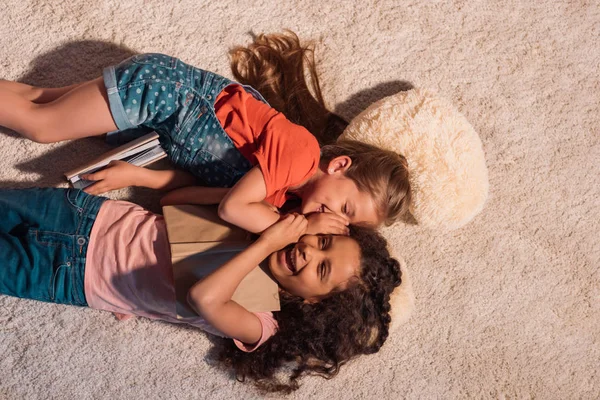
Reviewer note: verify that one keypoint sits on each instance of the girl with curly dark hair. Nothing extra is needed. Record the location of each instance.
(319, 337)
(68, 247)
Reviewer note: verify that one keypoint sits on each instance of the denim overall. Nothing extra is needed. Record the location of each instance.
(44, 236)
(157, 92)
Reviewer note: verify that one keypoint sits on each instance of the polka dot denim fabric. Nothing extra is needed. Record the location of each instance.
(161, 93)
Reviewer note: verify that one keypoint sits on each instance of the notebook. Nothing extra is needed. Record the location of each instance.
(200, 243)
(141, 152)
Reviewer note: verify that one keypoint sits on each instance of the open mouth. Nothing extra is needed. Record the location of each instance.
(290, 262)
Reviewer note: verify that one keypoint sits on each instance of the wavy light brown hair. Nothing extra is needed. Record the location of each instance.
(319, 338)
(284, 72)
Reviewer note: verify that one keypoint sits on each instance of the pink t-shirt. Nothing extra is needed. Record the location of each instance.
(128, 269)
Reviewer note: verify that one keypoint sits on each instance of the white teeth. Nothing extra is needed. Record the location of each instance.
(290, 260)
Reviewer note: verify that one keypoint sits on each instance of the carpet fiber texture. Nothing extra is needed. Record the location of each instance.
(506, 307)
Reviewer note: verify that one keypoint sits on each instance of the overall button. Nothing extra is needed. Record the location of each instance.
(209, 97)
(80, 242)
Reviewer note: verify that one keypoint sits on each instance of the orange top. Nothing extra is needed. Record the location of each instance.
(287, 153)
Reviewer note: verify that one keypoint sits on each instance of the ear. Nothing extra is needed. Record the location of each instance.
(339, 164)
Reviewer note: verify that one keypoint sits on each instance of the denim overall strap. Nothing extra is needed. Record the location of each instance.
(254, 93)
(44, 236)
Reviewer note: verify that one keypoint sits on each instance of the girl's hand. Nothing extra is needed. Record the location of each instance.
(327, 223)
(116, 175)
(287, 230)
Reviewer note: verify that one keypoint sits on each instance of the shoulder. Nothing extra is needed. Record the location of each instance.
(289, 137)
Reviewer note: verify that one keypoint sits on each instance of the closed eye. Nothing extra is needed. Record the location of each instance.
(348, 211)
(324, 241)
(321, 270)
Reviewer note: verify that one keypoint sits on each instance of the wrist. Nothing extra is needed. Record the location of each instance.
(146, 178)
(266, 246)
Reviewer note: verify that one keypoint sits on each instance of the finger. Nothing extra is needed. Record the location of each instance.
(290, 217)
(304, 225)
(102, 189)
(93, 189)
(301, 230)
(339, 218)
(287, 219)
(299, 219)
(338, 229)
(295, 223)
(345, 220)
(96, 176)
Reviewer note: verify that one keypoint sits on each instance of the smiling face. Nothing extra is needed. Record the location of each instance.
(316, 265)
(331, 191)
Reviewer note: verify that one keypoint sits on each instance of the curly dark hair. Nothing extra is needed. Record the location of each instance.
(319, 338)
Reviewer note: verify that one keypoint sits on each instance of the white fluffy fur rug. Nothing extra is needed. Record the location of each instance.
(506, 307)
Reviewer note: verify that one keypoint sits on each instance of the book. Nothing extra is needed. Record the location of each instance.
(141, 152)
(200, 243)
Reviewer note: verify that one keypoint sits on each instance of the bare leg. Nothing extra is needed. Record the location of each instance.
(81, 112)
(36, 94)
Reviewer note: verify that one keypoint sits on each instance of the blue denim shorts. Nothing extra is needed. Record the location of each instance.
(44, 236)
(161, 93)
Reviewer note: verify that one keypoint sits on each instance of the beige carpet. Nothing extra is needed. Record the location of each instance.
(507, 307)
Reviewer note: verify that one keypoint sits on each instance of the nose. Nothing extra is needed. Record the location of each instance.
(304, 255)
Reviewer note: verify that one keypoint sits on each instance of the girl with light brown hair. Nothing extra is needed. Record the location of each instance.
(226, 135)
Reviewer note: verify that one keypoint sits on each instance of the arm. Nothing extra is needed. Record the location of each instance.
(211, 297)
(194, 195)
(120, 174)
(167, 179)
(243, 205)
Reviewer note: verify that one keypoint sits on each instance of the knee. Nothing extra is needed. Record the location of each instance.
(41, 129)
(32, 93)
(40, 134)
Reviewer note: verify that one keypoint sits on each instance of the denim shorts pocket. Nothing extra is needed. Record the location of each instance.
(214, 171)
(156, 59)
(76, 199)
(54, 254)
(189, 111)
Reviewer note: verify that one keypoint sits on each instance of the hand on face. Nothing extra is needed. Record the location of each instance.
(287, 230)
(331, 191)
(327, 223)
